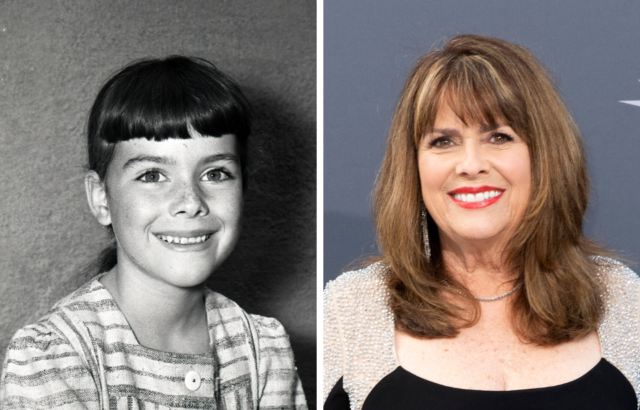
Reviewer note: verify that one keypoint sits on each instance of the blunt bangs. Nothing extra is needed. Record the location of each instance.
(160, 99)
(157, 100)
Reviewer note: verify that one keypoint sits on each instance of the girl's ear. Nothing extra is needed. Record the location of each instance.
(97, 198)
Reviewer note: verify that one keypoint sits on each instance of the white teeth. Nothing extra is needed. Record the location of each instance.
(183, 240)
(482, 196)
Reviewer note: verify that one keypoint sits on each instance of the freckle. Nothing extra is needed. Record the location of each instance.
(446, 350)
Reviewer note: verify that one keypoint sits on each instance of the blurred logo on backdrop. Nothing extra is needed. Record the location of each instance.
(636, 102)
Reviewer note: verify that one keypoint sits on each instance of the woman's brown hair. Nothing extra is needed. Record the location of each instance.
(490, 81)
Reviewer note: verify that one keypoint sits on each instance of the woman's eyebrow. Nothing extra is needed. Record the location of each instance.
(453, 131)
(148, 158)
(219, 157)
(446, 131)
(491, 127)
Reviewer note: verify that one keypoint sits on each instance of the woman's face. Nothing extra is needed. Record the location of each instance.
(475, 179)
(175, 206)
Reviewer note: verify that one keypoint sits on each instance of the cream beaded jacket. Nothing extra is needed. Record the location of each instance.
(359, 328)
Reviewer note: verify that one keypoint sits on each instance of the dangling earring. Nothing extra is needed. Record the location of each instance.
(425, 232)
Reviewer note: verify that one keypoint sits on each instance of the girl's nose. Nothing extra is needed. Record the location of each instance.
(473, 162)
(190, 201)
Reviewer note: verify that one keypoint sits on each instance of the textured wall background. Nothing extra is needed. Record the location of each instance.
(590, 47)
(54, 56)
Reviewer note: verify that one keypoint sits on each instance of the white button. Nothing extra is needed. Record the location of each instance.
(192, 380)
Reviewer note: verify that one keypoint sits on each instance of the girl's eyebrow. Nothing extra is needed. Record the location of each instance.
(170, 161)
(148, 158)
(219, 157)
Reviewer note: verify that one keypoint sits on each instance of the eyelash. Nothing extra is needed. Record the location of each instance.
(506, 137)
(150, 172)
(224, 174)
(436, 142)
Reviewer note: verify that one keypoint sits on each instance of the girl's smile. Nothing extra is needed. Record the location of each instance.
(175, 206)
(184, 238)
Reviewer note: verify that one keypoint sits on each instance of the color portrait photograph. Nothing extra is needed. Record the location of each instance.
(480, 205)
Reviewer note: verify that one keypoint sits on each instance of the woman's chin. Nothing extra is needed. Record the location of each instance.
(479, 237)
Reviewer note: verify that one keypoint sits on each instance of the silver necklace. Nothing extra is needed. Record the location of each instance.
(504, 295)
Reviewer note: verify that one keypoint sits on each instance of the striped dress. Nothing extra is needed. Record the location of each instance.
(84, 355)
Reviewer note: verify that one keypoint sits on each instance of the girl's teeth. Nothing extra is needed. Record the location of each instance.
(183, 240)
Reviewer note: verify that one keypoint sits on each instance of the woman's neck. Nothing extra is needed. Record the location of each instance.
(162, 316)
(480, 267)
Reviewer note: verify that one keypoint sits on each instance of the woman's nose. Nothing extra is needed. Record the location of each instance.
(473, 161)
(190, 201)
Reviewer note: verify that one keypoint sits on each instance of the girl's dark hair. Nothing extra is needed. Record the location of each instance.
(159, 99)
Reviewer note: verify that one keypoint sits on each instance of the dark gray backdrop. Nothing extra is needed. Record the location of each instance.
(592, 49)
(54, 55)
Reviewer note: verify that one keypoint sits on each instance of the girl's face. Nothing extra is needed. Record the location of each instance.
(175, 206)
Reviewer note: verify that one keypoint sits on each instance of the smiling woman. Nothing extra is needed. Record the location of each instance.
(167, 141)
(453, 159)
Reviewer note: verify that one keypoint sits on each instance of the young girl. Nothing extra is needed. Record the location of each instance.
(167, 142)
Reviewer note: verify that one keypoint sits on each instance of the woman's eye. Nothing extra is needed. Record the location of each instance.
(500, 138)
(442, 142)
(216, 175)
(152, 176)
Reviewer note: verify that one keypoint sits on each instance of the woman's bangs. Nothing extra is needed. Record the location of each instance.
(478, 99)
(479, 95)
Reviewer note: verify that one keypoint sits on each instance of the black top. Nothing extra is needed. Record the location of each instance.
(603, 387)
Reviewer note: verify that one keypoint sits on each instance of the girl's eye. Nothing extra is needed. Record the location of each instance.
(500, 138)
(441, 142)
(152, 176)
(216, 175)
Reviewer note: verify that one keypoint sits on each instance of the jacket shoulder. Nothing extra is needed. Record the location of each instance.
(358, 283)
(614, 273)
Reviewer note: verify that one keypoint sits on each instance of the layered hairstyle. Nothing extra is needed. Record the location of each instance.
(159, 99)
(488, 81)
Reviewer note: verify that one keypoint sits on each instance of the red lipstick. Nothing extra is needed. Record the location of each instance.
(475, 190)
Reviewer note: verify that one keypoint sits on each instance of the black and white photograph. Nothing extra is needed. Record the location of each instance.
(158, 204)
